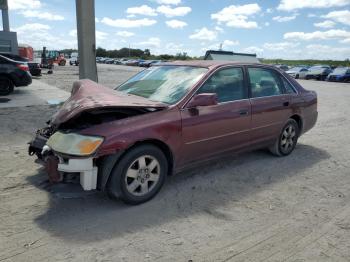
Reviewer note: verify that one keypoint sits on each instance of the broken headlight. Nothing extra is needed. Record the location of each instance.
(74, 144)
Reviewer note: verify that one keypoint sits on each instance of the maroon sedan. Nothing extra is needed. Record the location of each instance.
(167, 118)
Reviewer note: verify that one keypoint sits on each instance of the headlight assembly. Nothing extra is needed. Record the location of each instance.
(74, 144)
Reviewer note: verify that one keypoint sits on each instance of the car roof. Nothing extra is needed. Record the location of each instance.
(210, 63)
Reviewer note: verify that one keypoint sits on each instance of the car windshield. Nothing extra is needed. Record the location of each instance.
(340, 70)
(166, 84)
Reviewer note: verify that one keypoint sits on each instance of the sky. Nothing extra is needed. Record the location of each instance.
(288, 29)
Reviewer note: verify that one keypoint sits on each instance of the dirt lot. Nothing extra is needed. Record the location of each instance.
(252, 207)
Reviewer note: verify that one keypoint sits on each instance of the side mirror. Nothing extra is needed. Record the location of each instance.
(205, 99)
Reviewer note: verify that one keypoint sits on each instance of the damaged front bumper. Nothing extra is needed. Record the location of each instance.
(60, 166)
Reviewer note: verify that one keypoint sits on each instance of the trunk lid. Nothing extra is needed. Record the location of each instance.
(88, 95)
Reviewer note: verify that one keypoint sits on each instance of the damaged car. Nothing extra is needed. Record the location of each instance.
(126, 141)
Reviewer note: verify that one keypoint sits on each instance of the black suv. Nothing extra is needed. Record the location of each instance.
(13, 73)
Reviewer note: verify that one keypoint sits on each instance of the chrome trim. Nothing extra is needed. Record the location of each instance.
(216, 137)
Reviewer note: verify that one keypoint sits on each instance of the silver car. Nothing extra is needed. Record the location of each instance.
(297, 72)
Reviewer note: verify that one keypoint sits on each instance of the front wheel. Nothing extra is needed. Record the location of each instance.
(287, 139)
(139, 175)
(297, 76)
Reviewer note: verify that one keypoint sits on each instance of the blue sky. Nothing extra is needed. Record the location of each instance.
(290, 29)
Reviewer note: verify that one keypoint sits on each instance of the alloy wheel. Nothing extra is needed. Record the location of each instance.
(288, 139)
(142, 175)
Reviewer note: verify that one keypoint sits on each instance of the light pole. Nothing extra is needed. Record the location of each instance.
(85, 10)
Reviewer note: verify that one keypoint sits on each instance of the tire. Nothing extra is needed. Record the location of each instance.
(70, 63)
(296, 76)
(6, 86)
(62, 63)
(287, 140)
(128, 180)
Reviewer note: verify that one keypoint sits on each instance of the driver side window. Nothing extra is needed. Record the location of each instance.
(228, 84)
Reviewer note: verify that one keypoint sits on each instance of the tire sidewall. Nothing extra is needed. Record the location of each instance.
(8, 89)
(116, 184)
(296, 127)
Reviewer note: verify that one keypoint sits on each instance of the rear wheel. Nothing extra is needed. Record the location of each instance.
(297, 76)
(287, 139)
(62, 63)
(139, 175)
(6, 86)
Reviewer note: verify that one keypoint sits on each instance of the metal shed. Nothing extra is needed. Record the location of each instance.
(230, 56)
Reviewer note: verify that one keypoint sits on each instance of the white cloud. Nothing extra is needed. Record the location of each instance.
(39, 35)
(284, 18)
(125, 33)
(73, 33)
(228, 43)
(317, 51)
(269, 10)
(42, 15)
(252, 50)
(318, 35)
(176, 23)
(237, 16)
(204, 34)
(101, 35)
(24, 4)
(267, 23)
(97, 20)
(168, 2)
(219, 29)
(151, 42)
(339, 16)
(280, 46)
(311, 15)
(345, 41)
(141, 10)
(32, 27)
(171, 12)
(128, 23)
(289, 5)
(325, 24)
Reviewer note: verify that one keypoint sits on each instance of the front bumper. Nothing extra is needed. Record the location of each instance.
(57, 166)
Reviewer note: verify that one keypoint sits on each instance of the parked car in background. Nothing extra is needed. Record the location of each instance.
(134, 62)
(13, 74)
(168, 118)
(148, 63)
(340, 74)
(318, 72)
(283, 67)
(34, 67)
(74, 59)
(109, 61)
(297, 72)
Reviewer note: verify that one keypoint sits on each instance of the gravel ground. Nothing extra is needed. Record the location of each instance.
(251, 207)
(109, 75)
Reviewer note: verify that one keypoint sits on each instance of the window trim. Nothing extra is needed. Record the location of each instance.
(211, 74)
(284, 92)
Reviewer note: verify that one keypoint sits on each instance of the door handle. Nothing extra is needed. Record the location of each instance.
(243, 112)
(285, 103)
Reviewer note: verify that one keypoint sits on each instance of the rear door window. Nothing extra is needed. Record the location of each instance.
(264, 82)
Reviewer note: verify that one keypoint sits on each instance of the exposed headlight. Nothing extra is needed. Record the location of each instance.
(74, 144)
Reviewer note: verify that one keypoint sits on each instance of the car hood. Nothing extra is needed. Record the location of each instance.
(88, 95)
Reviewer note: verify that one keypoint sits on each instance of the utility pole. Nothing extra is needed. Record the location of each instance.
(85, 10)
(5, 16)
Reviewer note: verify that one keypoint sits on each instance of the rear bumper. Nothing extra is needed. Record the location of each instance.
(25, 79)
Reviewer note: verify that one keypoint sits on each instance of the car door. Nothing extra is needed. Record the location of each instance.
(303, 73)
(209, 130)
(271, 105)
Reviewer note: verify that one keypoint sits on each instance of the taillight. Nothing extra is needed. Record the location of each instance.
(23, 67)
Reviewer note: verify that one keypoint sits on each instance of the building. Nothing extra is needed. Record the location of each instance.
(8, 40)
(230, 56)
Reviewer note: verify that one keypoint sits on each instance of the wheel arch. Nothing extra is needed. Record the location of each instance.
(299, 120)
(107, 163)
